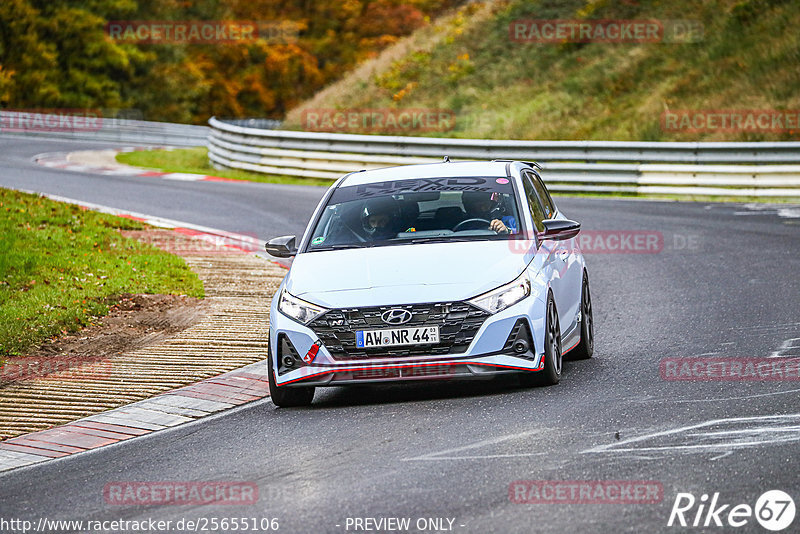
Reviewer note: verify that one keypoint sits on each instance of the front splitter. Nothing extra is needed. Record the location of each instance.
(366, 372)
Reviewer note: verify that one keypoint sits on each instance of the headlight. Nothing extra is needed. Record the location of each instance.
(298, 309)
(504, 296)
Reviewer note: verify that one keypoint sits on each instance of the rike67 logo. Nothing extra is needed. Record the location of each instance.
(774, 510)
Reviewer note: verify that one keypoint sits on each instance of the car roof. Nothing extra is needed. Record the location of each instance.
(427, 170)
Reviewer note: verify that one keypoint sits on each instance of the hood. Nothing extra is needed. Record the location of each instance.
(404, 274)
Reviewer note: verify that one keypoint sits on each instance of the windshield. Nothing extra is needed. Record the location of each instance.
(417, 210)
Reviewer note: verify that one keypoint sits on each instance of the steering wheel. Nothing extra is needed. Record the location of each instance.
(472, 222)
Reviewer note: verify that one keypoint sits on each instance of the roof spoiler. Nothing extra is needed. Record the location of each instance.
(528, 163)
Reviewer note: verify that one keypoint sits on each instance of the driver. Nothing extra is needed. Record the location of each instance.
(379, 217)
(488, 206)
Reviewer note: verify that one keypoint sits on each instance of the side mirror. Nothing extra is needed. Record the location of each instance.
(559, 229)
(281, 247)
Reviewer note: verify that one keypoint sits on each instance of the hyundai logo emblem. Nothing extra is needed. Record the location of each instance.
(396, 316)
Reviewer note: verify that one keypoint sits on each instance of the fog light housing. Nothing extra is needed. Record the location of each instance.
(520, 341)
(288, 357)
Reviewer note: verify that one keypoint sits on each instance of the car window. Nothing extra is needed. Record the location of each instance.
(537, 211)
(415, 210)
(544, 195)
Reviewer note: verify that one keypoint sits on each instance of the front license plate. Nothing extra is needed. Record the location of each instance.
(392, 337)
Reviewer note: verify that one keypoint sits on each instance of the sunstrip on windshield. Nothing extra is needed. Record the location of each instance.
(421, 185)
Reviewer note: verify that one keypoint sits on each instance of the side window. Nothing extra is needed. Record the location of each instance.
(537, 212)
(544, 196)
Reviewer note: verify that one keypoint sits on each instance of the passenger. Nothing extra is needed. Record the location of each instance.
(489, 207)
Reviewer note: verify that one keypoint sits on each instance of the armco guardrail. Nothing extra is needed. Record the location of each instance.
(98, 127)
(730, 169)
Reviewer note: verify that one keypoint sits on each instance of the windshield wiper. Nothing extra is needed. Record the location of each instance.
(315, 248)
(445, 239)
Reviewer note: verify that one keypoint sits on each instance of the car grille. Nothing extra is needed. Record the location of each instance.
(458, 323)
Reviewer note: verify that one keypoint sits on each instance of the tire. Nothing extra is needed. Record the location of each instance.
(551, 374)
(585, 348)
(283, 396)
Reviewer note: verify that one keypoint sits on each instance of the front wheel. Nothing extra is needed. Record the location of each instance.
(284, 396)
(585, 347)
(551, 374)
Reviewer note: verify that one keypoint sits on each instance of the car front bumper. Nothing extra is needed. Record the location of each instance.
(486, 355)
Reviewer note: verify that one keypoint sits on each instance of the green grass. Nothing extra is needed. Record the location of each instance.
(195, 161)
(60, 267)
(746, 60)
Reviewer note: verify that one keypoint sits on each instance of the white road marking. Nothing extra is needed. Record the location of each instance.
(183, 177)
(745, 431)
(778, 429)
(790, 346)
(440, 455)
(479, 457)
(769, 328)
(734, 398)
(783, 211)
(723, 455)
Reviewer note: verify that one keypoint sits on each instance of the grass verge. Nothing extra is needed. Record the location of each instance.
(60, 267)
(195, 161)
(744, 57)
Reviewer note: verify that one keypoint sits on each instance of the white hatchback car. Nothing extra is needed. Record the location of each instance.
(437, 271)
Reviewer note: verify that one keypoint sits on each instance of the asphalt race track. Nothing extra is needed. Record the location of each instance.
(724, 284)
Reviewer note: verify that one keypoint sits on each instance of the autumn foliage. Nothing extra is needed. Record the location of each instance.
(60, 55)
